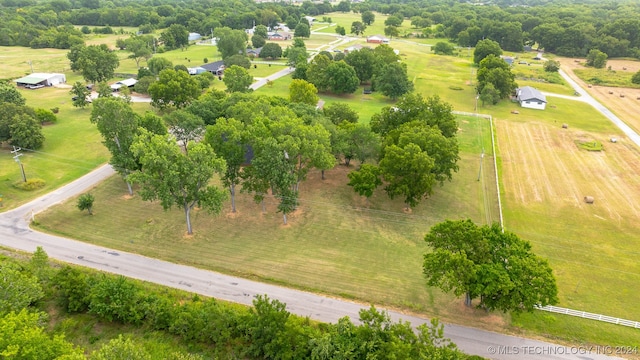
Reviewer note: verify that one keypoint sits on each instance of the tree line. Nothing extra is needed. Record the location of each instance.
(264, 331)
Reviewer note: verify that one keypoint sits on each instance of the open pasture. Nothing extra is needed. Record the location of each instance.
(545, 177)
(336, 243)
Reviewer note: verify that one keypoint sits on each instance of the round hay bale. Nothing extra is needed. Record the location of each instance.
(565, 126)
(589, 199)
(614, 140)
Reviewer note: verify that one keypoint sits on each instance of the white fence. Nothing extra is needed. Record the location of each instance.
(495, 161)
(587, 315)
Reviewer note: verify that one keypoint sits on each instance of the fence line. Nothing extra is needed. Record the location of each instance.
(549, 308)
(495, 161)
(588, 315)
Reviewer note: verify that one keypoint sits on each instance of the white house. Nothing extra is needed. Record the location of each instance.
(531, 98)
(41, 79)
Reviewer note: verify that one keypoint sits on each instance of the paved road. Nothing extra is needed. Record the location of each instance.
(585, 97)
(15, 233)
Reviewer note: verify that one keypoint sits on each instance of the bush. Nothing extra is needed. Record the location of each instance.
(116, 298)
(30, 185)
(73, 287)
(45, 116)
(55, 110)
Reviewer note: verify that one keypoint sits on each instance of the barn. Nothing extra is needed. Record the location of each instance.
(126, 82)
(531, 98)
(377, 39)
(36, 80)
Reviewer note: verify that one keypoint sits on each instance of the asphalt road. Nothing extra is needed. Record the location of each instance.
(15, 233)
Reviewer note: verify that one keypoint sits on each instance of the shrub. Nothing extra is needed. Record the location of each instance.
(55, 110)
(73, 286)
(116, 298)
(30, 185)
(45, 116)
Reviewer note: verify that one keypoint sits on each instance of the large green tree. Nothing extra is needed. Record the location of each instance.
(301, 91)
(228, 138)
(408, 172)
(485, 48)
(80, 94)
(488, 263)
(237, 79)
(365, 180)
(363, 62)
(118, 124)
(175, 178)
(342, 78)
(9, 94)
(97, 63)
(302, 30)
(140, 48)
(230, 42)
(393, 81)
(597, 59)
(174, 89)
(175, 36)
(26, 132)
(495, 71)
(271, 51)
(368, 17)
(318, 73)
(432, 111)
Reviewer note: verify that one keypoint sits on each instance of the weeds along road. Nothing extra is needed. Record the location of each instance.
(15, 233)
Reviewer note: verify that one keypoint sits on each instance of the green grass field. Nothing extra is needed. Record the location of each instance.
(606, 77)
(373, 253)
(334, 245)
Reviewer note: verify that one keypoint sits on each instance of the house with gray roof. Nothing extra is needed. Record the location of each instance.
(531, 98)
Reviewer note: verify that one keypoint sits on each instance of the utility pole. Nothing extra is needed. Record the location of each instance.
(16, 157)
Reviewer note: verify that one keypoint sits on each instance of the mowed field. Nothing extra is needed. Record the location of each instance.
(336, 242)
(628, 107)
(593, 248)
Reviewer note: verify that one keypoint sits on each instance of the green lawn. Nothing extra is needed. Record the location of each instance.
(72, 148)
(336, 244)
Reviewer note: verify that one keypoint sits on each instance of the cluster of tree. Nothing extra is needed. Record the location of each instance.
(264, 331)
(419, 150)
(21, 125)
(488, 263)
(495, 79)
(568, 28)
(342, 74)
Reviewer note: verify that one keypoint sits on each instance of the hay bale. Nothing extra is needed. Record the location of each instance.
(610, 92)
(614, 140)
(588, 199)
(589, 85)
(621, 95)
(515, 112)
(565, 126)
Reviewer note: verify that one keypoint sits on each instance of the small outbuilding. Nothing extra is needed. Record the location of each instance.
(131, 82)
(531, 98)
(36, 80)
(194, 36)
(377, 39)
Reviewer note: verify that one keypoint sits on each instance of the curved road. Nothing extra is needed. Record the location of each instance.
(15, 233)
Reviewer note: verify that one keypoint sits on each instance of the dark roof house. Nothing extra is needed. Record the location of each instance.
(216, 68)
